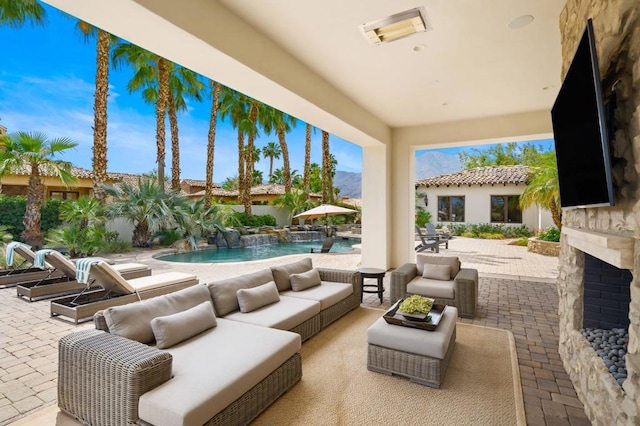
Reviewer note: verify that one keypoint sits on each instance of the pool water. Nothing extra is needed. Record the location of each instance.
(224, 255)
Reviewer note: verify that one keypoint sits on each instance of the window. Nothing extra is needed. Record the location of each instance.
(506, 209)
(64, 195)
(450, 209)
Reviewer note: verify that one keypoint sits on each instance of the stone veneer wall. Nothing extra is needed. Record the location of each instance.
(617, 31)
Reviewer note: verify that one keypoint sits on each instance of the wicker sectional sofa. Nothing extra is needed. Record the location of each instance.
(172, 360)
(439, 277)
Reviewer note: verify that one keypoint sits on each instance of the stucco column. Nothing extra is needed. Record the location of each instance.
(401, 247)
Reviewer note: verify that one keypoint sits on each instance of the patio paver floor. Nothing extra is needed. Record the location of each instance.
(517, 292)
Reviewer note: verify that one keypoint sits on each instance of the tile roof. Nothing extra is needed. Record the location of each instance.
(267, 189)
(491, 175)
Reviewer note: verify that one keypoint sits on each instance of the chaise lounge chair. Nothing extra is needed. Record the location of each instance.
(69, 284)
(10, 277)
(427, 241)
(117, 291)
(327, 243)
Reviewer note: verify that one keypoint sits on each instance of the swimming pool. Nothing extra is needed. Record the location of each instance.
(224, 255)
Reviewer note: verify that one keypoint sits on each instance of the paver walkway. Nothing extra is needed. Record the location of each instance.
(517, 292)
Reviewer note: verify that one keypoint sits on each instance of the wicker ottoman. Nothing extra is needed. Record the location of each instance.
(420, 355)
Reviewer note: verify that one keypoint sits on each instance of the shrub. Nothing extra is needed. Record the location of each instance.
(12, 212)
(117, 247)
(551, 234)
(522, 242)
(422, 218)
(491, 236)
(488, 231)
(255, 220)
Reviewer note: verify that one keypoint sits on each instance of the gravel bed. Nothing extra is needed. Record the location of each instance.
(611, 346)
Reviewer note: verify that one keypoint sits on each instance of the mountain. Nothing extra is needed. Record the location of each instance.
(436, 163)
(429, 164)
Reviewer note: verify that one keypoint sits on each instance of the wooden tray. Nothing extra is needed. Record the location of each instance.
(392, 317)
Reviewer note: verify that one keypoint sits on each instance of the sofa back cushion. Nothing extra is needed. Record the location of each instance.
(436, 272)
(424, 258)
(133, 320)
(282, 273)
(251, 299)
(172, 329)
(305, 280)
(224, 292)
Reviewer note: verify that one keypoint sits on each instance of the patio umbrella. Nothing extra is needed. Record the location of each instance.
(325, 210)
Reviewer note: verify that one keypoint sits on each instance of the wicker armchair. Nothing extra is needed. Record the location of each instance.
(465, 287)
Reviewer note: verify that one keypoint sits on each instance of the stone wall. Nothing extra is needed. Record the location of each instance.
(617, 31)
(546, 248)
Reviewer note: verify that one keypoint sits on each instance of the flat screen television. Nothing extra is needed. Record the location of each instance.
(580, 131)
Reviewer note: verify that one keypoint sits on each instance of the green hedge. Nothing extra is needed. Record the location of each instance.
(489, 231)
(12, 212)
(255, 220)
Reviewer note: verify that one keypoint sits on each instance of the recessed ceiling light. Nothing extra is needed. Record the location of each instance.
(419, 47)
(548, 87)
(396, 26)
(520, 22)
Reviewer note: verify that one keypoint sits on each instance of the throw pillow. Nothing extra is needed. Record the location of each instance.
(282, 273)
(305, 280)
(251, 299)
(437, 272)
(175, 328)
(224, 292)
(431, 259)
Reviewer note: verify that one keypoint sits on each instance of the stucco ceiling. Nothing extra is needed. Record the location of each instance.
(471, 65)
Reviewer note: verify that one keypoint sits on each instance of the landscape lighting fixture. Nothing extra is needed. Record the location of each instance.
(396, 26)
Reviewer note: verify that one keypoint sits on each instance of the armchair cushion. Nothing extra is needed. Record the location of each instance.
(436, 289)
(424, 258)
(305, 280)
(172, 329)
(251, 299)
(437, 272)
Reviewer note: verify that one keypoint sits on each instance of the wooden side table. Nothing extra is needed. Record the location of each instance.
(372, 273)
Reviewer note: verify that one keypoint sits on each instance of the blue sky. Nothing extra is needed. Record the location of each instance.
(47, 84)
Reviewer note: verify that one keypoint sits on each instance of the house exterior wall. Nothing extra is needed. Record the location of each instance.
(478, 204)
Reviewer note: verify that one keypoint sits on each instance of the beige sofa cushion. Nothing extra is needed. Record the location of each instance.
(430, 343)
(175, 328)
(328, 293)
(423, 258)
(437, 289)
(282, 273)
(214, 369)
(133, 320)
(288, 313)
(305, 280)
(437, 272)
(253, 298)
(224, 292)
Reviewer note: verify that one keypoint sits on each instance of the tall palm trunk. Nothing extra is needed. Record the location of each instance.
(307, 158)
(241, 170)
(326, 168)
(556, 213)
(161, 112)
(248, 171)
(211, 140)
(175, 143)
(100, 117)
(32, 234)
(285, 160)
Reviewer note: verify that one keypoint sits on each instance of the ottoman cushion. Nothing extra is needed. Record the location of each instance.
(428, 343)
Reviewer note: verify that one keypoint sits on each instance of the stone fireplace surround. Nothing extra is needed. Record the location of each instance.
(611, 234)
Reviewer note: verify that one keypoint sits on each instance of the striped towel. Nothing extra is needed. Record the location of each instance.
(39, 258)
(10, 247)
(83, 266)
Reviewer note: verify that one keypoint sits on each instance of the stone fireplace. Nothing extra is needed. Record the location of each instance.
(606, 238)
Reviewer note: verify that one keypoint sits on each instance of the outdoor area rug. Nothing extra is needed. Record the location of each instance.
(481, 385)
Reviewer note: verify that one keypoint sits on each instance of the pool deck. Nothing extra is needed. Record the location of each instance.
(517, 292)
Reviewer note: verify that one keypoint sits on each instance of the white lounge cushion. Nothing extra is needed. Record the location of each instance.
(328, 293)
(213, 369)
(253, 298)
(133, 320)
(430, 343)
(436, 259)
(282, 273)
(436, 272)
(172, 329)
(305, 280)
(288, 313)
(129, 267)
(432, 288)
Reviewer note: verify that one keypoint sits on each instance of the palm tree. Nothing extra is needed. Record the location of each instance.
(216, 89)
(15, 13)
(255, 108)
(543, 188)
(295, 201)
(152, 75)
(85, 232)
(307, 157)
(35, 152)
(99, 161)
(146, 205)
(234, 106)
(282, 123)
(182, 83)
(271, 151)
(327, 192)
